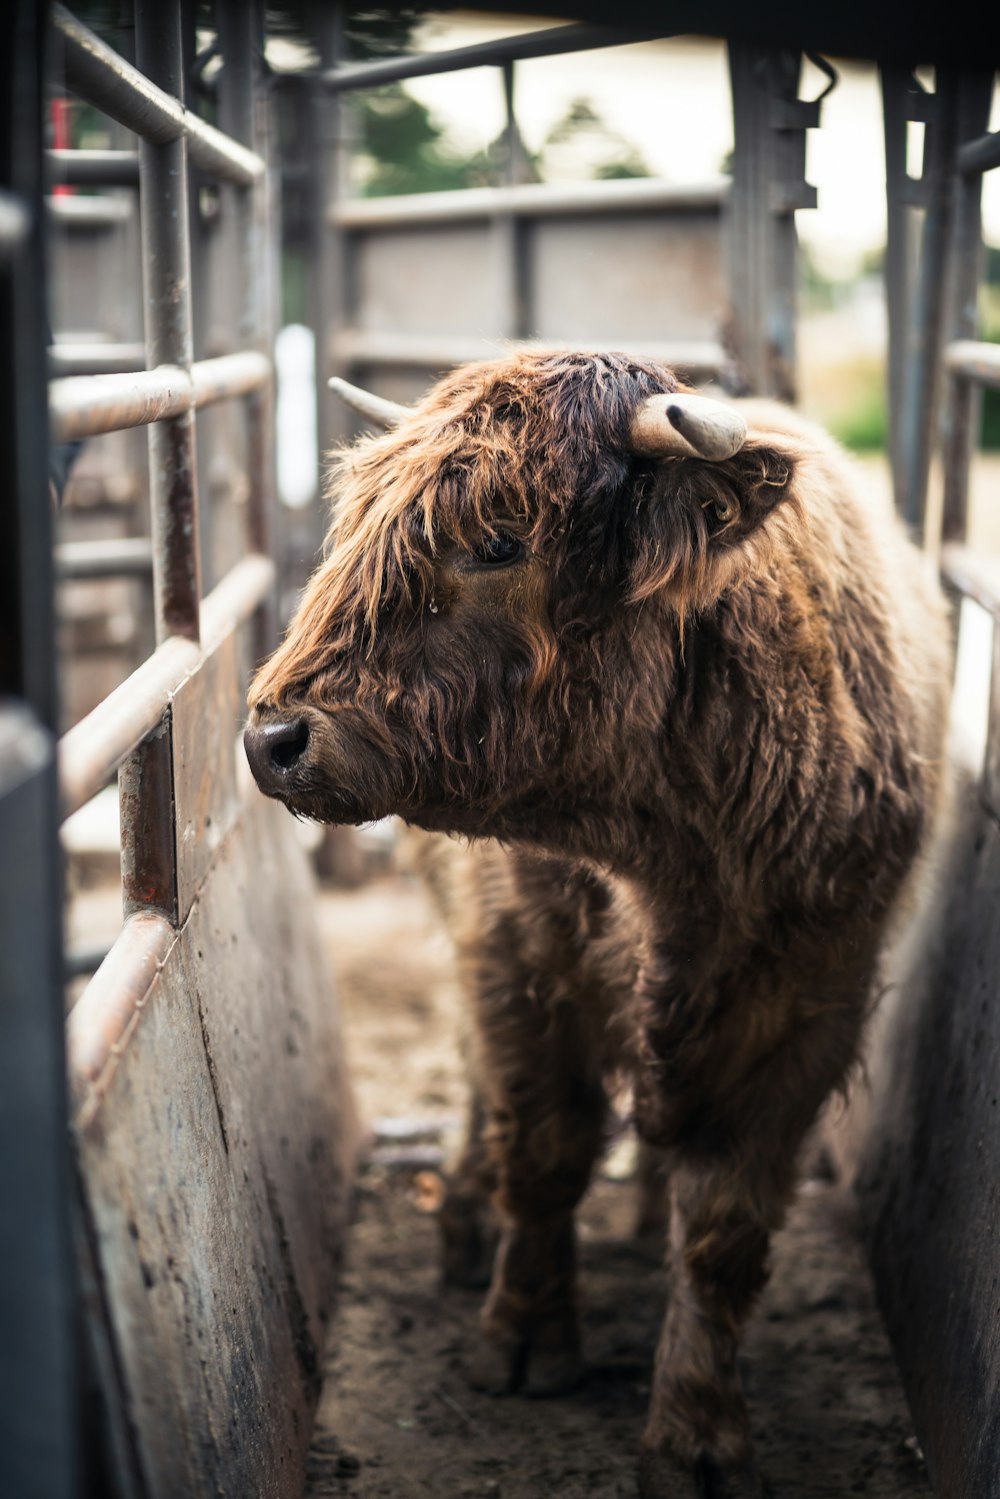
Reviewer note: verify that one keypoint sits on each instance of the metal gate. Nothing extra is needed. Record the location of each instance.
(926, 1136)
(209, 1115)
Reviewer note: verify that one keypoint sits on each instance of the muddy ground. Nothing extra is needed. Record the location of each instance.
(397, 1418)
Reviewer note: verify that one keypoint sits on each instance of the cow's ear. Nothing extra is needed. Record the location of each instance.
(736, 496)
(702, 518)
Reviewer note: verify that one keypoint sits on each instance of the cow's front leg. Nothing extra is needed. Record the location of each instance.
(697, 1440)
(544, 1132)
(466, 1219)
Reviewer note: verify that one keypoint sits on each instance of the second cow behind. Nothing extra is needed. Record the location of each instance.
(682, 684)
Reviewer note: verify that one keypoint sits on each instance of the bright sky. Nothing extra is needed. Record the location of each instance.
(671, 99)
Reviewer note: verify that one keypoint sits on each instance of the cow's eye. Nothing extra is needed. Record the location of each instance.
(498, 550)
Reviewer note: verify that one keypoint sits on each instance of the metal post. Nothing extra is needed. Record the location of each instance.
(40, 1446)
(926, 326)
(901, 102)
(963, 404)
(166, 272)
(768, 186)
(241, 35)
(507, 233)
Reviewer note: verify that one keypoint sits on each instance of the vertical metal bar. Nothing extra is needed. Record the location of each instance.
(166, 271)
(925, 334)
(963, 398)
(328, 270)
(768, 185)
(242, 113)
(148, 824)
(895, 83)
(237, 36)
(991, 763)
(40, 1445)
(747, 224)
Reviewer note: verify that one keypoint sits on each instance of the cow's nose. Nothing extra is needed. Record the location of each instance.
(274, 750)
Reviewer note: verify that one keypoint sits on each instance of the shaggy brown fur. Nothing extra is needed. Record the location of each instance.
(701, 706)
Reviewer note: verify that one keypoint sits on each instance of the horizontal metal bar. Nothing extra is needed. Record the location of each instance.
(974, 574)
(89, 213)
(70, 357)
(98, 74)
(119, 557)
(552, 42)
(91, 752)
(442, 351)
(110, 1008)
(233, 600)
(94, 168)
(974, 361)
(87, 405)
(14, 223)
(229, 375)
(980, 155)
(533, 200)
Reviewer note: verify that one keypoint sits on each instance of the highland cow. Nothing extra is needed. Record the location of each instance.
(682, 686)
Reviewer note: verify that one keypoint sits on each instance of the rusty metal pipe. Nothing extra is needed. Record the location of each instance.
(87, 405)
(98, 74)
(91, 752)
(239, 594)
(109, 1009)
(166, 284)
(229, 375)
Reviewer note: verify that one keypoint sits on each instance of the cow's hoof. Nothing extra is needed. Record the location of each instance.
(553, 1371)
(496, 1366)
(664, 1476)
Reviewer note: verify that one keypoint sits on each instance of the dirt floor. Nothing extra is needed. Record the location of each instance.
(398, 1419)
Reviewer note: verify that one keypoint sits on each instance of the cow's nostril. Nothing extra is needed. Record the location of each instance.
(287, 742)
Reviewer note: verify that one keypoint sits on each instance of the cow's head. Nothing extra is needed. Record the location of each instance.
(494, 635)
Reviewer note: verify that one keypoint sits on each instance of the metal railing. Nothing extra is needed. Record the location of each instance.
(167, 395)
(970, 365)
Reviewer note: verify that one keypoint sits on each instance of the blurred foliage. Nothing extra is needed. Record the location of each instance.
(407, 151)
(989, 314)
(581, 135)
(864, 427)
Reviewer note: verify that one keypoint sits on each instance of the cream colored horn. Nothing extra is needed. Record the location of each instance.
(687, 426)
(374, 409)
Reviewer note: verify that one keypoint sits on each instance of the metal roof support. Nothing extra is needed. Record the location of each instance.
(554, 42)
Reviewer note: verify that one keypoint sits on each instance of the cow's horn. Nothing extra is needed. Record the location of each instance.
(687, 426)
(375, 409)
